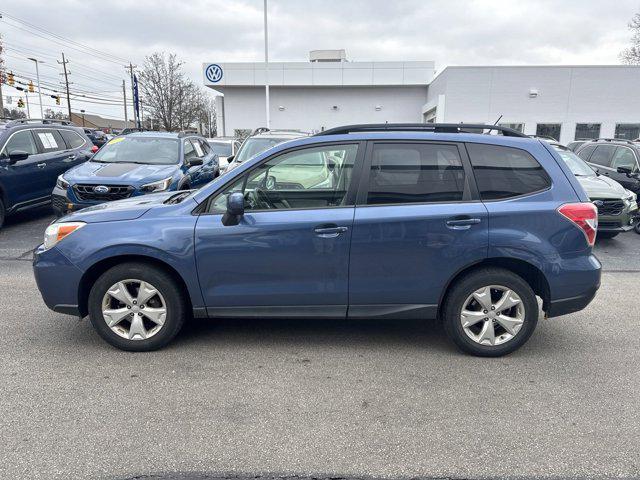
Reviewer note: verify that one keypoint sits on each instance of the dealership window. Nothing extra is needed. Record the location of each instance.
(515, 126)
(586, 131)
(549, 130)
(415, 173)
(503, 172)
(630, 131)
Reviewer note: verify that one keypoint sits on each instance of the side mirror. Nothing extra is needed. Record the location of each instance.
(17, 155)
(230, 159)
(626, 170)
(235, 209)
(194, 162)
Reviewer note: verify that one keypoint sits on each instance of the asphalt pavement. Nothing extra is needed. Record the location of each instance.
(321, 399)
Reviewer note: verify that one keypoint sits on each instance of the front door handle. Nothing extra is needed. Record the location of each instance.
(41, 165)
(329, 231)
(462, 222)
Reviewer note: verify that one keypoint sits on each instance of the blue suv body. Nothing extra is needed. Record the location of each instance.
(407, 221)
(137, 164)
(33, 153)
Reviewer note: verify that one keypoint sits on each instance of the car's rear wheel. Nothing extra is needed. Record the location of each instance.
(607, 235)
(490, 312)
(137, 307)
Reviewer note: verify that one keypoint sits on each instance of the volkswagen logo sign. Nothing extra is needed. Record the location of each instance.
(213, 73)
(101, 189)
(598, 203)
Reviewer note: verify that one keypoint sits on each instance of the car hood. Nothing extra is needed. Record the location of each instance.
(118, 173)
(602, 187)
(127, 209)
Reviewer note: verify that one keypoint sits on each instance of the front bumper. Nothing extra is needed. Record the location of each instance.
(57, 279)
(624, 222)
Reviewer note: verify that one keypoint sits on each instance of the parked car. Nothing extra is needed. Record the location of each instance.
(32, 155)
(617, 206)
(262, 139)
(136, 164)
(225, 148)
(98, 137)
(418, 221)
(129, 130)
(573, 146)
(615, 158)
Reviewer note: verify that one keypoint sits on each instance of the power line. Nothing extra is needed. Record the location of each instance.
(115, 58)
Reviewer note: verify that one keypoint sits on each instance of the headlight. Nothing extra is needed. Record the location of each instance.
(630, 197)
(158, 186)
(57, 231)
(62, 183)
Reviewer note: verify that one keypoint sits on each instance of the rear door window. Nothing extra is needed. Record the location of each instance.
(50, 140)
(602, 155)
(504, 172)
(415, 173)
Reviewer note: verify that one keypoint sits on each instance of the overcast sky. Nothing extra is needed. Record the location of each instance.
(447, 32)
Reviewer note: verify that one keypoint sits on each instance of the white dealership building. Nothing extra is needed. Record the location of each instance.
(566, 102)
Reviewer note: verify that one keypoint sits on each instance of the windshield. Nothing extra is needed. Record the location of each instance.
(153, 151)
(577, 166)
(253, 146)
(221, 149)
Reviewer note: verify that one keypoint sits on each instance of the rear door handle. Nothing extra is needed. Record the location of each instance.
(329, 231)
(41, 165)
(462, 223)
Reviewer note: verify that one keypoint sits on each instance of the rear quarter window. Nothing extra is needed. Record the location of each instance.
(505, 172)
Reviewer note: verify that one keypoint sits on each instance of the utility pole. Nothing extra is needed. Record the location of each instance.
(26, 96)
(133, 95)
(66, 83)
(124, 94)
(266, 64)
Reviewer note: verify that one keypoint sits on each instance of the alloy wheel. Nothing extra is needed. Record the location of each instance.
(134, 309)
(492, 315)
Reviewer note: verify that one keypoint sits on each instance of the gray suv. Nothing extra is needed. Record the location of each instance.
(614, 158)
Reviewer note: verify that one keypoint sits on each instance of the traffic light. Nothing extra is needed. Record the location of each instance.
(20, 103)
(31, 88)
(10, 81)
(57, 100)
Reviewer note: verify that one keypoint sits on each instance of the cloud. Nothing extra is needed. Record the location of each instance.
(454, 32)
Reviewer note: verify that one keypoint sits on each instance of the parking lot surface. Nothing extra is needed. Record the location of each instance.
(324, 398)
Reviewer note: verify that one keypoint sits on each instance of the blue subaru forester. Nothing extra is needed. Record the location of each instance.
(136, 164)
(396, 221)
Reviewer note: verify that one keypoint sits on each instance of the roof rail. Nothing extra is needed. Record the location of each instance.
(422, 127)
(187, 133)
(612, 140)
(44, 121)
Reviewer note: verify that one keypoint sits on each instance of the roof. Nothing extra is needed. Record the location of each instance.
(96, 121)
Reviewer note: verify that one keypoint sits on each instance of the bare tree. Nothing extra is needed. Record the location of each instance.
(631, 55)
(49, 113)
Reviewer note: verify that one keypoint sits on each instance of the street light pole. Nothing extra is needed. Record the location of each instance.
(266, 65)
(38, 79)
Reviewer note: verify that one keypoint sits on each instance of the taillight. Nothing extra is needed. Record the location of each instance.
(584, 216)
(94, 149)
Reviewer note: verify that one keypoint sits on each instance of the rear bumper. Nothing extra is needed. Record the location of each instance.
(565, 306)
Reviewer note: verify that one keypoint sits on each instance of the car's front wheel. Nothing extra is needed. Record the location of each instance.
(137, 307)
(490, 312)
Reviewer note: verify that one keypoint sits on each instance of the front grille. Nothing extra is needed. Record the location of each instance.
(115, 192)
(610, 207)
(59, 202)
(609, 225)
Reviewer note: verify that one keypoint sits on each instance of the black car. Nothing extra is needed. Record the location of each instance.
(33, 153)
(97, 137)
(615, 158)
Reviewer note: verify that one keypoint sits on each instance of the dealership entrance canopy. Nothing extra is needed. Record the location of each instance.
(565, 102)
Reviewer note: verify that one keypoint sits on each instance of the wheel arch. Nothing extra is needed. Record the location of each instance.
(92, 273)
(529, 273)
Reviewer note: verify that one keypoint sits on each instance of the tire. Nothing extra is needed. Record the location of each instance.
(607, 235)
(461, 294)
(154, 334)
(2, 213)
(637, 227)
